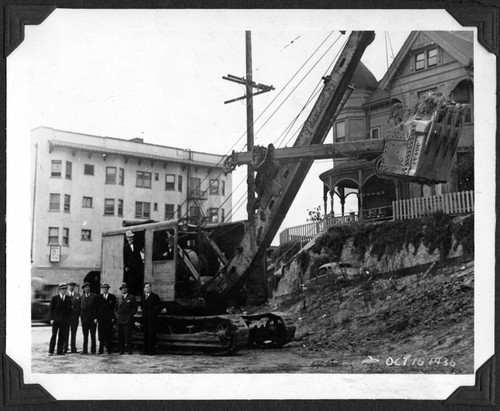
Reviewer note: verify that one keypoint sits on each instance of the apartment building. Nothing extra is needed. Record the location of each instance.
(84, 184)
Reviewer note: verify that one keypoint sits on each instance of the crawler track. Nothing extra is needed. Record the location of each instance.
(217, 335)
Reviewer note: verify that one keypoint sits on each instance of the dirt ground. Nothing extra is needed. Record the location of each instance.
(285, 360)
(413, 324)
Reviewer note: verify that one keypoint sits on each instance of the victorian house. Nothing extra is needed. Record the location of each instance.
(429, 61)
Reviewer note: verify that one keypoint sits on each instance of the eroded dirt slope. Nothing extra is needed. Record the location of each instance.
(427, 319)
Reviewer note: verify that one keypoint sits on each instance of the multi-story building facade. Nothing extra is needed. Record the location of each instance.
(433, 61)
(84, 184)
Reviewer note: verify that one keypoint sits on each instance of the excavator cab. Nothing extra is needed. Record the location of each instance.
(421, 144)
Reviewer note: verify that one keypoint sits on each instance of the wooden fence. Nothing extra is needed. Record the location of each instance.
(306, 232)
(452, 203)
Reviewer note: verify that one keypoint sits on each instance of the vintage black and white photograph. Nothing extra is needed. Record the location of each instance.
(274, 199)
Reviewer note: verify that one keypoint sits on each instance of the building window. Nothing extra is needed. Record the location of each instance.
(194, 187)
(374, 133)
(88, 169)
(420, 61)
(223, 188)
(110, 175)
(179, 183)
(213, 215)
(426, 59)
(143, 179)
(67, 202)
(179, 211)
(53, 235)
(87, 202)
(119, 212)
(214, 187)
(142, 210)
(109, 206)
(463, 94)
(69, 167)
(155, 206)
(157, 176)
(65, 236)
(169, 211)
(194, 214)
(432, 57)
(340, 132)
(56, 167)
(169, 182)
(222, 215)
(86, 235)
(55, 201)
(121, 176)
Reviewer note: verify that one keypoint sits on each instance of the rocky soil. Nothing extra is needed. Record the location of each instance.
(420, 323)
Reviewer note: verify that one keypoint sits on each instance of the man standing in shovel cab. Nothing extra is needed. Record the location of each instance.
(133, 265)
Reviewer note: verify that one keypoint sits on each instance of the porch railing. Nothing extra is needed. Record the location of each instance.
(452, 203)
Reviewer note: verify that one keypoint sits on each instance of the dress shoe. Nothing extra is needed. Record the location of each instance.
(84, 353)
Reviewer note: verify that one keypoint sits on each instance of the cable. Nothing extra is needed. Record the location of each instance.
(299, 83)
(317, 89)
(281, 91)
(396, 72)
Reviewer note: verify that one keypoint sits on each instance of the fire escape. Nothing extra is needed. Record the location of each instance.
(195, 198)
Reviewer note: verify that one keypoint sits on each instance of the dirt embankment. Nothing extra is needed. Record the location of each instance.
(412, 313)
(414, 323)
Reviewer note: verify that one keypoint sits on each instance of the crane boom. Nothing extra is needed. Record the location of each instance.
(277, 183)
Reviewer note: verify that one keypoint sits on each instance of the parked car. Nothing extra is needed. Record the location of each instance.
(40, 301)
(338, 270)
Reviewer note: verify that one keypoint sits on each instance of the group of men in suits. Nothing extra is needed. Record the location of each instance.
(101, 312)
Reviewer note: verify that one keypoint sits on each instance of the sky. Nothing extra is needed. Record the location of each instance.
(158, 75)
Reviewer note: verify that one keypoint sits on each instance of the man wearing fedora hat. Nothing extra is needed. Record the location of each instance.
(133, 266)
(88, 315)
(151, 308)
(126, 307)
(60, 314)
(74, 296)
(105, 318)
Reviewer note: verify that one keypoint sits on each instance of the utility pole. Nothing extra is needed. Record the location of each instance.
(250, 86)
(250, 136)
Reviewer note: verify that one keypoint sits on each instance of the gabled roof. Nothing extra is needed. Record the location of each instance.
(459, 44)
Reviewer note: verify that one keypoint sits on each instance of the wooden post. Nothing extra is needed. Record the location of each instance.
(250, 134)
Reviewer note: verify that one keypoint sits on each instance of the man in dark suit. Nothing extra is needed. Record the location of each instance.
(105, 318)
(75, 316)
(88, 314)
(126, 307)
(151, 307)
(60, 314)
(133, 263)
